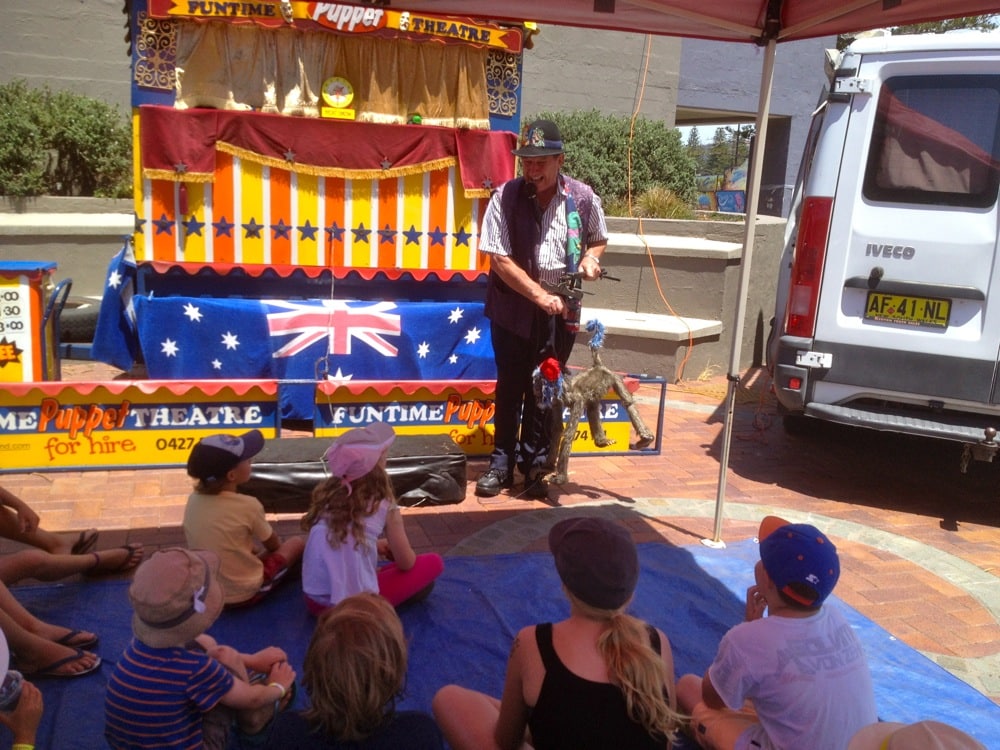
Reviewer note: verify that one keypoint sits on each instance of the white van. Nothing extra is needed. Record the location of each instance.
(888, 302)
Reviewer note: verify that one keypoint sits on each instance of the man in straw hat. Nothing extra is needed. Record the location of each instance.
(923, 735)
(535, 229)
(795, 679)
(173, 675)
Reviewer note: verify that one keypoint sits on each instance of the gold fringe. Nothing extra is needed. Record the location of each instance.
(175, 176)
(378, 118)
(350, 174)
(478, 192)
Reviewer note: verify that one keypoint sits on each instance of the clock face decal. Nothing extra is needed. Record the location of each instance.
(338, 92)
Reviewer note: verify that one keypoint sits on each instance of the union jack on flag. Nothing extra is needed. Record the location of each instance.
(337, 320)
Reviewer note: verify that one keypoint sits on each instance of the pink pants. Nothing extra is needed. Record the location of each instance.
(398, 586)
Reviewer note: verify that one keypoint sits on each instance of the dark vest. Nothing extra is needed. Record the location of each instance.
(504, 306)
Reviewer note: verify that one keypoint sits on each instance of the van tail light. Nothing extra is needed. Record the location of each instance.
(807, 267)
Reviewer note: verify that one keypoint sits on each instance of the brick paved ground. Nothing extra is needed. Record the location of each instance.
(919, 540)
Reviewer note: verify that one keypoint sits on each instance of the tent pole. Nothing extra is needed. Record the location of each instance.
(753, 193)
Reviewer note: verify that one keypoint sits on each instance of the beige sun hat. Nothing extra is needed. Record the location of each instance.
(924, 735)
(175, 596)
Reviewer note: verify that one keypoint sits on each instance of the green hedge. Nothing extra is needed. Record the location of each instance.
(597, 152)
(60, 143)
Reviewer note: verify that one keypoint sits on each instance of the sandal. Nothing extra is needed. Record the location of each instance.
(51, 670)
(87, 644)
(135, 556)
(85, 542)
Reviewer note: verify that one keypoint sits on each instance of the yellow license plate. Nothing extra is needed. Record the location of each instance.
(926, 312)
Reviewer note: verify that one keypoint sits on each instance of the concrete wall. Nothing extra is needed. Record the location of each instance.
(582, 69)
(725, 77)
(73, 45)
(689, 281)
(80, 235)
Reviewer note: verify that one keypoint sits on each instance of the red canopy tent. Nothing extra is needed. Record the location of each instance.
(761, 22)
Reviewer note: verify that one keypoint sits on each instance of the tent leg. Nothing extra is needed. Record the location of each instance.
(753, 194)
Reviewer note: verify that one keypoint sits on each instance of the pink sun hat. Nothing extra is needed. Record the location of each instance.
(356, 452)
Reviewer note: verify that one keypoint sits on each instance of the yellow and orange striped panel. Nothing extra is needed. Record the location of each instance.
(251, 213)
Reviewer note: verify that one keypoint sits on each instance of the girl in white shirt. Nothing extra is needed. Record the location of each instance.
(350, 512)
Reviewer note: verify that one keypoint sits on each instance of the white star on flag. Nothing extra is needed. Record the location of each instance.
(456, 315)
(472, 336)
(115, 279)
(453, 359)
(423, 349)
(230, 340)
(216, 364)
(192, 313)
(169, 347)
(339, 376)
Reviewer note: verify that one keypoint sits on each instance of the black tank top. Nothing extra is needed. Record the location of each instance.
(576, 714)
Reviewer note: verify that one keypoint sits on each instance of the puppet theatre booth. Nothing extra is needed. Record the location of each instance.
(309, 185)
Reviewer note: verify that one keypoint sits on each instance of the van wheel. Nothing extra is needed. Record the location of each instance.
(798, 425)
(78, 320)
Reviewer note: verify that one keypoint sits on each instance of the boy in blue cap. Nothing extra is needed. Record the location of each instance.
(219, 518)
(797, 678)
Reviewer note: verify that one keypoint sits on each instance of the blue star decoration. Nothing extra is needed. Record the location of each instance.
(412, 236)
(193, 226)
(252, 230)
(281, 230)
(334, 232)
(223, 228)
(437, 236)
(360, 233)
(462, 237)
(386, 236)
(307, 231)
(164, 225)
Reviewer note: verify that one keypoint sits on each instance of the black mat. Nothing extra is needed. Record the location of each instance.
(424, 469)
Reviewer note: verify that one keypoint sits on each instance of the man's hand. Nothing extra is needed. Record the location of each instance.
(756, 603)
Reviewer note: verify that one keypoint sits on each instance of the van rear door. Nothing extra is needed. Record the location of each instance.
(909, 305)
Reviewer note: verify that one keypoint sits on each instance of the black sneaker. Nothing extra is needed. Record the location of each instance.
(493, 481)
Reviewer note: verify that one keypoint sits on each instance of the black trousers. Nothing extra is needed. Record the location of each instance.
(522, 427)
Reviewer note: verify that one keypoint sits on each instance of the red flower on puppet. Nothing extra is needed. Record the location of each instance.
(550, 369)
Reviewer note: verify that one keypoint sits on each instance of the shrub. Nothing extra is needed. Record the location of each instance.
(598, 152)
(659, 202)
(61, 143)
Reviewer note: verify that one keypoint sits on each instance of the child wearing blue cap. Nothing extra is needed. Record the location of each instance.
(797, 678)
(219, 518)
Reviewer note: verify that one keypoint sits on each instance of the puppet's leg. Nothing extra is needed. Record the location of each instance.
(561, 473)
(645, 436)
(597, 434)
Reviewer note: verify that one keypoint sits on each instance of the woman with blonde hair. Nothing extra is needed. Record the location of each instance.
(354, 671)
(599, 680)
